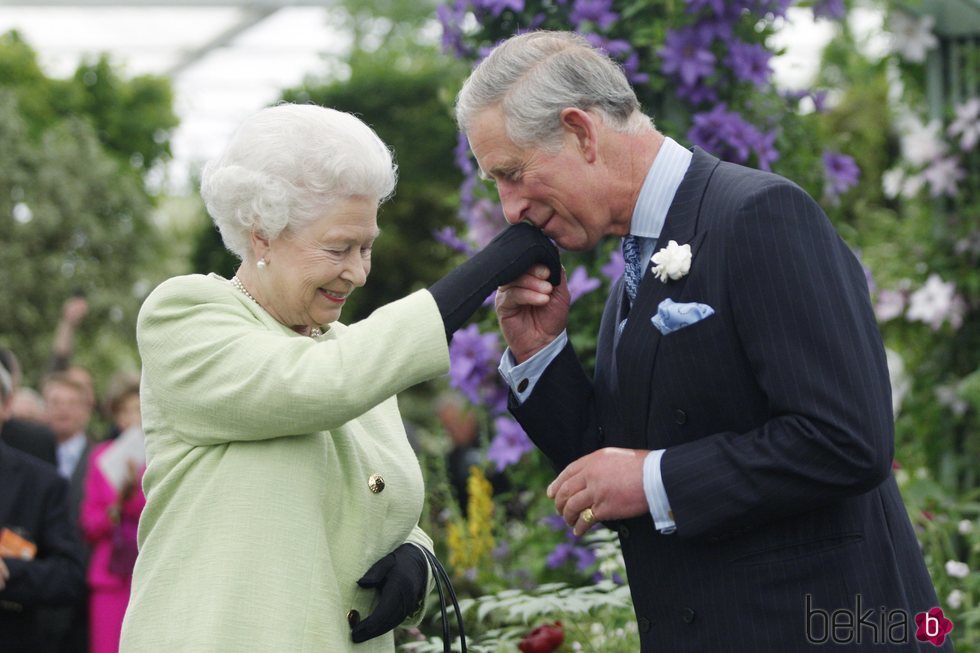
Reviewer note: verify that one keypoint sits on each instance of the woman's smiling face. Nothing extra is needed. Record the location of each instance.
(312, 270)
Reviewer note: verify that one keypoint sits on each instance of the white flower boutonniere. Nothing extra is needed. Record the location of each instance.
(673, 261)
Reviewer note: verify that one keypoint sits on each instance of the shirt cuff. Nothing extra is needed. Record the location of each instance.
(522, 378)
(653, 487)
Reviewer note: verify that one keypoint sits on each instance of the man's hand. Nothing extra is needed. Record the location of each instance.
(532, 312)
(609, 481)
(4, 574)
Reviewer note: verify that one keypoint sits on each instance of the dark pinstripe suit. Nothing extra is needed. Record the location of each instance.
(776, 416)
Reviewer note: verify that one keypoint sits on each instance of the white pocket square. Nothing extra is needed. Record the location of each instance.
(672, 316)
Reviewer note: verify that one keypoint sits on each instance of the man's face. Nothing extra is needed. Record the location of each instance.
(558, 193)
(68, 409)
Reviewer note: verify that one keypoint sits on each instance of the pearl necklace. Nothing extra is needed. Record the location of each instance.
(237, 283)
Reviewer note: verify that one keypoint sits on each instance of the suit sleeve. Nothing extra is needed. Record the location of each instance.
(232, 378)
(56, 576)
(803, 315)
(560, 415)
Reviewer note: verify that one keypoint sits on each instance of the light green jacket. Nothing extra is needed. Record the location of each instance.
(260, 443)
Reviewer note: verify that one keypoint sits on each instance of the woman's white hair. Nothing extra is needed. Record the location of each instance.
(534, 76)
(286, 165)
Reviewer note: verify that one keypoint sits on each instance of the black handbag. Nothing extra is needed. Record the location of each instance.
(445, 586)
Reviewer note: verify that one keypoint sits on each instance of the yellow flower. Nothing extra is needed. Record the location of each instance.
(471, 542)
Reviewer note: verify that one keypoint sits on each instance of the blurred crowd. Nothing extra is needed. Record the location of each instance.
(71, 462)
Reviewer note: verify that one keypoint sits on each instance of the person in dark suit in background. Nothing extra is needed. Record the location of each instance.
(69, 404)
(738, 430)
(30, 437)
(40, 555)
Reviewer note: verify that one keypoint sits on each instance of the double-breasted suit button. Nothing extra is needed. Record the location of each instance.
(624, 532)
(376, 483)
(687, 614)
(680, 416)
(644, 624)
(602, 433)
(353, 618)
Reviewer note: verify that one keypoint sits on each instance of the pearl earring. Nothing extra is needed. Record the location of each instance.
(261, 264)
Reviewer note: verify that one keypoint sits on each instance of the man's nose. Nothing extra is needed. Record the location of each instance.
(513, 204)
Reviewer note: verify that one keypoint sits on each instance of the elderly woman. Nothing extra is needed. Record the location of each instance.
(283, 497)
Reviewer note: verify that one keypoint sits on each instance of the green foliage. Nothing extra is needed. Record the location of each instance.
(75, 215)
(131, 117)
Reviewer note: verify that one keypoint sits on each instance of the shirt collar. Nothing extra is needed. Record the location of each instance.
(69, 453)
(661, 184)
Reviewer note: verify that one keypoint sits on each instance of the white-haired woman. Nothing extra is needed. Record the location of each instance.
(283, 498)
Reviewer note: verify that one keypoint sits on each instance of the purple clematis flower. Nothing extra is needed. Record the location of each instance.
(615, 48)
(614, 268)
(830, 9)
(841, 172)
(509, 444)
(497, 7)
(718, 28)
(631, 68)
(560, 555)
(461, 155)
(717, 7)
(686, 55)
(448, 236)
(485, 219)
(749, 62)
(597, 12)
(570, 550)
(451, 18)
(473, 358)
(765, 150)
(697, 94)
(580, 283)
(727, 135)
(761, 7)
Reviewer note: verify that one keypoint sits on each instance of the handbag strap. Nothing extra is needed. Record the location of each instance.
(442, 578)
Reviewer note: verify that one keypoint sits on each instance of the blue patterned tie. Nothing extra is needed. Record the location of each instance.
(633, 271)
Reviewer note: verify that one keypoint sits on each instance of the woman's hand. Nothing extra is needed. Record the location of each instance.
(400, 578)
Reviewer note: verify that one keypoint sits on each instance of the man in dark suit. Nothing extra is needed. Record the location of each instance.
(738, 430)
(69, 403)
(40, 555)
(30, 437)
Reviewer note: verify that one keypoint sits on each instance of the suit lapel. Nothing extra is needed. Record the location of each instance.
(638, 344)
(605, 361)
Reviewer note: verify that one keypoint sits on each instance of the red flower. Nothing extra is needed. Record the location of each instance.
(928, 515)
(543, 639)
(896, 465)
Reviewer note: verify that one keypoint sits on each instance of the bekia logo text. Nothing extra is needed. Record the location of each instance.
(879, 626)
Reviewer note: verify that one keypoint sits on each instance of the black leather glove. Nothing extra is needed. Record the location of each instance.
(508, 256)
(400, 578)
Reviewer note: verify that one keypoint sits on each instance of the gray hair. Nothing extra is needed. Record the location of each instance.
(286, 165)
(532, 77)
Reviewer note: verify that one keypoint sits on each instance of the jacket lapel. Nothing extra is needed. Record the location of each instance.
(637, 349)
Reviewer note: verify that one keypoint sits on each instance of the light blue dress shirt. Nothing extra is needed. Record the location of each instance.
(69, 453)
(657, 194)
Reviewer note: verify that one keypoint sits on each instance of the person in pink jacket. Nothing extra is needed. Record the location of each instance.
(109, 517)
